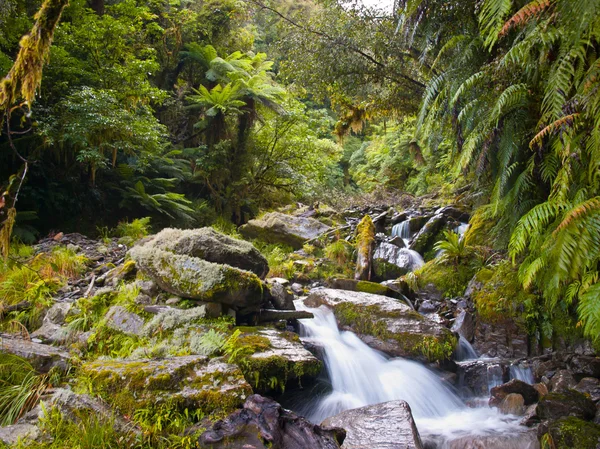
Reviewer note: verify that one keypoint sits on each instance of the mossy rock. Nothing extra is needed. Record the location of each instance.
(426, 237)
(387, 324)
(556, 405)
(194, 382)
(363, 286)
(571, 433)
(194, 278)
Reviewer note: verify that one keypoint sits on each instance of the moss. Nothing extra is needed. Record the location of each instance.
(365, 236)
(451, 281)
(569, 433)
(371, 287)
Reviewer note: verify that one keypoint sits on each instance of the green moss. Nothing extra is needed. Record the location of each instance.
(452, 281)
(570, 433)
(365, 236)
(371, 287)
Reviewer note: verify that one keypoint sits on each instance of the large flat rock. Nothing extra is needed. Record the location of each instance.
(42, 357)
(386, 324)
(389, 425)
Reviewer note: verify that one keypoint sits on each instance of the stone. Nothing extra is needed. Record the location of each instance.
(275, 227)
(117, 275)
(173, 300)
(464, 324)
(397, 241)
(563, 380)
(515, 386)
(363, 286)
(589, 386)
(281, 297)
(282, 281)
(512, 404)
(365, 244)
(42, 357)
(530, 417)
(194, 278)
(212, 246)
(425, 238)
(389, 425)
(427, 307)
(297, 288)
(383, 323)
(453, 212)
(503, 339)
(541, 388)
(143, 299)
(194, 382)
(11, 435)
(391, 262)
(556, 405)
(147, 287)
(475, 375)
(262, 424)
(574, 433)
(525, 439)
(118, 318)
(51, 330)
(585, 366)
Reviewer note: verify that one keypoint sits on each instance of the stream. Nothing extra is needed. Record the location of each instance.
(361, 376)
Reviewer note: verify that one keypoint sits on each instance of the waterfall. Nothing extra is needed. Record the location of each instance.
(402, 230)
(361, 376)
(522, 372)
(465, 351)
(461, 229)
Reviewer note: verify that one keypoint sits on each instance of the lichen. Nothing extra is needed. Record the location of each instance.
(571, 432)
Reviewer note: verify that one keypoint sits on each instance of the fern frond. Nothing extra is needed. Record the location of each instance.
(535, 8)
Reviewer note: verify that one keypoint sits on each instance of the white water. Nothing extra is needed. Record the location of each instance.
(362, 376)
(465, 351)
(522, 372)
(402, 230)
(461, 229)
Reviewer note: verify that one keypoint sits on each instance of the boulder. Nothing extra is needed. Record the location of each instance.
(365, 243)
(42, 357)
(464, 324)
(19, 433)
(194, 278)
(281, 297)
(589, 386)
(363, 286)
(584, 366)
(475, 376)
(568, 403)
(526, 439)
(51, 330)
(386, 324)
(503, 339)
(571, 433)
(118, 318)
(512, 404)
(195, 382)
(563, 380)
(528, 392)
(211, 246)
(389, 425)
(276, 227)
(391, 262)
(425, 238)
(262, 424)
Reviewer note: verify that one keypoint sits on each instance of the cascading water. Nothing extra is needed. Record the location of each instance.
(402, 230)
(522, 372)
(461, 229)
(362, 376)
(465, 351)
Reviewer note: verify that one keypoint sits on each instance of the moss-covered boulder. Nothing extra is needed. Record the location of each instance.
(276, 227)
(386, 324)
(211, 246)
(557, 405)
(391, 261)
(570, 433)
(363, 286)
(425, 238)
(195, 382)
(194, 278)
(365, 245)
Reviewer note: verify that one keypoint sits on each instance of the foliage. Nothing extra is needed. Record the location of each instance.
(453, 249)
(134, 230)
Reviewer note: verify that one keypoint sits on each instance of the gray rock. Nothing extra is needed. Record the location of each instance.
(389, 425)
(51, 330)
(11, 435)
(173, 300)
(563, 380)
(211, 246)
(589, 386)
(143, 299)
(297, 288)
(427, 307)
(42, 357)
(567, 403)
(281, 281)
(397, 241)
(275, 227)
(262, 424)
(118, 318)
(526, 439)
(425, 238)
(399, 329)
(464, 325)
(391, 262)
(147, 287)
(281, 297)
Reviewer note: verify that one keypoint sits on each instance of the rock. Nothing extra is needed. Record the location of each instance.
(281, 297)
(193, 382)
(365, 243)
(363, 286)
(526, 439)
(282, 281)
(563, 380)
(425, 238)
(573, 433)
(568, 403)
(194, 278)
(389, 425)
(585, 366)
(51, 330)
(297, 288)
(528, 392)
(19, 433)
(262, 424)
(397, 241)
(427, 307)
(391, 262)
(589, 386)
(117, 275)
(272, 315)
(173, 301)
(42, 357)
(503, 339)
(275, 227)
(118, 318)
(143, 299)
(464, 324)
(453, 212)
(71, 406)
(530, 417)
(512, 404)
(475, 376)
(211, 246)
(541, 388)
(384, 323)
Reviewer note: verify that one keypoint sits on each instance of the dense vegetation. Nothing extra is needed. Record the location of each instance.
(209, 111)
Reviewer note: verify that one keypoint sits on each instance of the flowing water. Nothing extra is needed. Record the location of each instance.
(522, 372)
(402, 230)
(465, 351)
(361, 376)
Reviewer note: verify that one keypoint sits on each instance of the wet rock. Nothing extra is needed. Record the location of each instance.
(528, 392)
(453, 212)
(589, 386)
(363, 286)
(563, 380)
(503, 339)
(584, 366)
(530, 417)
(391, 262)
(397, 241)
(389, 425)
(567, 403)
(527, 439)
(281, 297)
(427, 307)
(571, 433)
(276, 227)
(383, 323)
(365, 245)
(464, 325)
(541, 388)
(118, 318)
(262, 424)
(188, 381)
(475, 376)
(512, 404)
(425, 238)
(297, 288)
(42, 357)
(19, 433)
